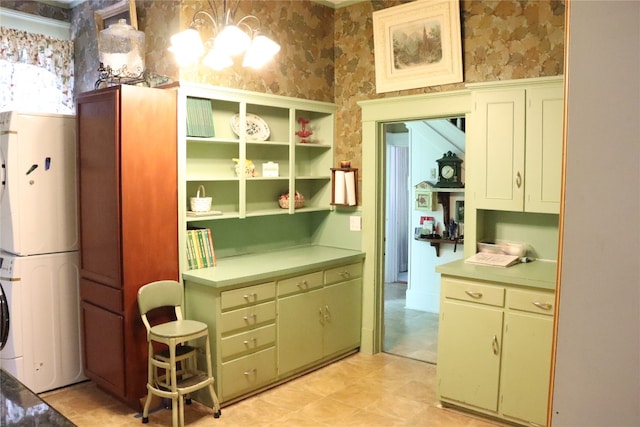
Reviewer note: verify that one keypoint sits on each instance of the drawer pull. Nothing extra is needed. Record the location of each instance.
(246, 342)
(322, 316)
(518, 179)
(251, 295)
(249, 372)
(246, 318)
(303, 284)
(473, 294)
(345, 274)
(542, 305)
(494, 345)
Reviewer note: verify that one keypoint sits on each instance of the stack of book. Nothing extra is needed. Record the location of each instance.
(199, 118)
(200, 253)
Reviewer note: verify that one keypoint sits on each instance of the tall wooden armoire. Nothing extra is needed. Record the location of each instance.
(127, 156)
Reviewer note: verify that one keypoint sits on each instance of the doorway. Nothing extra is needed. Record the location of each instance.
(411, 150)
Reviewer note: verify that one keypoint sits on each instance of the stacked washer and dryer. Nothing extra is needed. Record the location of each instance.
(39, 260)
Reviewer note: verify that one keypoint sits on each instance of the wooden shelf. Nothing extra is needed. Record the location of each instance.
(436, 243)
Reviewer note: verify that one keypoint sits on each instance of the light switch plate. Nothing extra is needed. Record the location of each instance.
(355, 223)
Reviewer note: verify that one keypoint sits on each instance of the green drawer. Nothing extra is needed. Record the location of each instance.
(299, 283)
(248, 317)
(247, 296)
(531, 301)
(248, 341)
(248, 373)
(342, 273)
(466, 290)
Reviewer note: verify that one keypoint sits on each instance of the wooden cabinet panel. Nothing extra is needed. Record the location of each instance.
(128, 223)
(103, 344)
(99, 181)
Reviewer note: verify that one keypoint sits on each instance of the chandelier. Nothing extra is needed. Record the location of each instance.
(224, 38)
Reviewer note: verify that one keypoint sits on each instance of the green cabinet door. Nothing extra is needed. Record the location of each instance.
(543, 176)
(469, 353)
(300, 330)
(498, 123)
(526, 366)
(343, 313)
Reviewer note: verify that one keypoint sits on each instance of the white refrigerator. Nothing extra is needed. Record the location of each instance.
(39, 260)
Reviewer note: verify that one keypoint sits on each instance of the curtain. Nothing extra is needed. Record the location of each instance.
(397, 236)
(36, 72)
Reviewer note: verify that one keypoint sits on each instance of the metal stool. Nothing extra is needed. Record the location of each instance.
(178, 363)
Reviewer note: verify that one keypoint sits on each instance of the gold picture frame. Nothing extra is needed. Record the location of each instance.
(124, 9)
(417, 44)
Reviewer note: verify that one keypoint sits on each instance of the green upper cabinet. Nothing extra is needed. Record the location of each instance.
(516, 145)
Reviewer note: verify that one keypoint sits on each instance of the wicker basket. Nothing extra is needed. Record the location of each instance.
(200, 204)
(283, 201)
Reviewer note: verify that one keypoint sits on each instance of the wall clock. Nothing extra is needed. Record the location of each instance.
(449, 171)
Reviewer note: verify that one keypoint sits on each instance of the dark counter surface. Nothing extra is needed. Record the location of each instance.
(19, 406)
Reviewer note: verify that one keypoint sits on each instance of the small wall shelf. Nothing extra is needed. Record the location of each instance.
(436, 243)
(344, 188)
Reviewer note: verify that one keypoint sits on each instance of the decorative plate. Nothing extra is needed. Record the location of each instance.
(256, 129)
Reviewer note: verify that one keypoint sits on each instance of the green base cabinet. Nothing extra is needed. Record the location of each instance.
(494, 349)
(264, 333)
(316, 324)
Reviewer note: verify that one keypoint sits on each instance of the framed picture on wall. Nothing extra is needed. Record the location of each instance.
(124, 9)
(417, 44)
(459, 215)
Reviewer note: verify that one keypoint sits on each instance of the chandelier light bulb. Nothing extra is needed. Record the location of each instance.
(232, 40)
(187, 47)
(260, 52)
(217, 59)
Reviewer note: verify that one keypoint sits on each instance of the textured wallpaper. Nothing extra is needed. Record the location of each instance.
(327, 54)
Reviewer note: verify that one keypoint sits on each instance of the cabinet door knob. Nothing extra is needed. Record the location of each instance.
(322, 316)
(473, 294)
(542, 305)
(250, 371)
(327, 313)
(494, 345)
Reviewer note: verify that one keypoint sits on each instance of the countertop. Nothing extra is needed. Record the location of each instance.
(536, 274)
(19, 406)
(243, 269)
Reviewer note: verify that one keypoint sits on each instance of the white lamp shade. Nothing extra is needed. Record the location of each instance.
(232, 40)
(186, 46)
(262, 49)
(217, 59)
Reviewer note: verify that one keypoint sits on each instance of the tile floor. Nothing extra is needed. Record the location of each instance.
(407, 332)
(360, 390)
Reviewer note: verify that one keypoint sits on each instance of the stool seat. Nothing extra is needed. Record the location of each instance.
(173, 372)
(177, 328)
